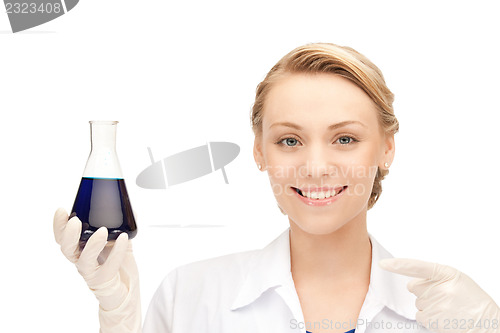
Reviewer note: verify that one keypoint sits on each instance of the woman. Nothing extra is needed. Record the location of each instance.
(324, 131)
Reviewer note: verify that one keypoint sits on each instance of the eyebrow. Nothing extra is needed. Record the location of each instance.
(331, 127)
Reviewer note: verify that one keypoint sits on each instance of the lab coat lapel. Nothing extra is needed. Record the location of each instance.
(268, 268)
(390, 288)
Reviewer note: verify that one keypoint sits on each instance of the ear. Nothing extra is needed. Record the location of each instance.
(257, 152)
(389, 151)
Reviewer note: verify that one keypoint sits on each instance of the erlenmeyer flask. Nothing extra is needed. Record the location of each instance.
(102, 198)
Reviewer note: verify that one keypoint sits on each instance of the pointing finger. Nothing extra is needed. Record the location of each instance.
(419, 269)
(419, 286)
(410, 267)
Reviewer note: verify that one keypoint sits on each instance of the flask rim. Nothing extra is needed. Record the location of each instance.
(103, 122)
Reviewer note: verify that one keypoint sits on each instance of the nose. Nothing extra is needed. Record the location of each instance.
(319, 162)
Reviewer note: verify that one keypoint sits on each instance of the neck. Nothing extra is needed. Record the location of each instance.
(342, 256)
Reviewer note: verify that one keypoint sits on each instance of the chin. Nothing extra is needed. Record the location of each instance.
(318, 226)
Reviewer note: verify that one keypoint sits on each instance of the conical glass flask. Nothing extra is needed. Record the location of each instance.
(102, 198)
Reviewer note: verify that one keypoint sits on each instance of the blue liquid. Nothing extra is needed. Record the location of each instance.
(104, 202)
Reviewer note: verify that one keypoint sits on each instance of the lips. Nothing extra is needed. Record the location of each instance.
(320, 199)
(325, 189)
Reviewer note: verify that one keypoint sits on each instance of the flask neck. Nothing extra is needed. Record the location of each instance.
(103, 135)
(103, 160)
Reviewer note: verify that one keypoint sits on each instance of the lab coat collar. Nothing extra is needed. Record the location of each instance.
(390, 288)
(270, 268)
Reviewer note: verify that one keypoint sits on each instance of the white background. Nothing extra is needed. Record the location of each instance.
(177, 74)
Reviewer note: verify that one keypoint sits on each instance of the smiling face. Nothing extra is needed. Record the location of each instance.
(321, 131)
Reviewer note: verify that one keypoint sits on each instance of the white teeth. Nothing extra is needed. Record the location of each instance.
(318, 195)
(321, 195)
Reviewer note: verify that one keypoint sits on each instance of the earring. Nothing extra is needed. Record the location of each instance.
(259, 166)
(386, 164)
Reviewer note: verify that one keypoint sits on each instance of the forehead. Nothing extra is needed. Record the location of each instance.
(317, 101)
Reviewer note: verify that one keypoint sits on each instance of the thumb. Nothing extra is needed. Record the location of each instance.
(410, 267)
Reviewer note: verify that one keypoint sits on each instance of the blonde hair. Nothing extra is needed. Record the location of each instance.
(339, 60)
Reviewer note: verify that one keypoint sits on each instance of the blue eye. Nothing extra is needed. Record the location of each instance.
(290, 142)
(347, 137)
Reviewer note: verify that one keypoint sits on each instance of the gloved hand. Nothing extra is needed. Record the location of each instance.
(109, 270)
(448, 300)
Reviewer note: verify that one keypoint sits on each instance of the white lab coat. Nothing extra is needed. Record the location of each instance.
(253, 292)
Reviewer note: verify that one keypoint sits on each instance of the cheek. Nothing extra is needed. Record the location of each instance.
(281, 180)
(361, 173)
(283, 173)
(283, 168)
